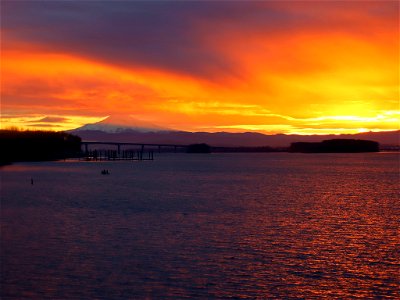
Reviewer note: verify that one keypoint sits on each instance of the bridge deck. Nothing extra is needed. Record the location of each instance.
(133, 144)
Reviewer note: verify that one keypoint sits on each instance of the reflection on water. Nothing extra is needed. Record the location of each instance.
(203, 226)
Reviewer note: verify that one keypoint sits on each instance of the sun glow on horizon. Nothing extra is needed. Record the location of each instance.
(105, 90)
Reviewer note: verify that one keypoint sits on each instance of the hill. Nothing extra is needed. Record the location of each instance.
(226, 139)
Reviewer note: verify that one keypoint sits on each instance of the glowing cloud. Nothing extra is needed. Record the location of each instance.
(276, 67)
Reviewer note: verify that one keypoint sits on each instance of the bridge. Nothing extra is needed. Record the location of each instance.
(141, 145)
(120, 154)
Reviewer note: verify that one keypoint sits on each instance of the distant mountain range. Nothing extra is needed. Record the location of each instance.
(117, 129)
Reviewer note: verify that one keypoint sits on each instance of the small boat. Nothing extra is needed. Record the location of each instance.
(105, 172)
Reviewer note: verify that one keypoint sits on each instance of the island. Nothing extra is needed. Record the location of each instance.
(335, 146)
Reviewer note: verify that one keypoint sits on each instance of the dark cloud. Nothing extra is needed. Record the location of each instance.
(162, 34)
(157, 34)
(43, 125)
(51, 120)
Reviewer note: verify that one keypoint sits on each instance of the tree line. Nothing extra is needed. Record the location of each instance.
(18, 145)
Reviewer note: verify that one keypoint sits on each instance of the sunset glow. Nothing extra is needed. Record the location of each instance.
(288, 67)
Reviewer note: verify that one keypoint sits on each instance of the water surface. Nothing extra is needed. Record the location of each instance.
(274, 225)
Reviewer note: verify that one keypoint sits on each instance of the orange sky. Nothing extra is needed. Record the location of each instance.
(273, 67)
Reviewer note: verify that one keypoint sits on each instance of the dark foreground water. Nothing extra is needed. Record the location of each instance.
(203, 226)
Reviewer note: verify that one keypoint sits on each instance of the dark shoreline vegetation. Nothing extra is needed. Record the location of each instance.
(336, 146)
(326, 146)
(198, 148)
(29, 145)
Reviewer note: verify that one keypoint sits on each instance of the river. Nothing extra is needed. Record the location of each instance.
(215, 226)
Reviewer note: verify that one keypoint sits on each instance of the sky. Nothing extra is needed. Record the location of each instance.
(294, 67)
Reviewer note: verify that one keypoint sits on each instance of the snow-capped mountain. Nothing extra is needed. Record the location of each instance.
(122, 123)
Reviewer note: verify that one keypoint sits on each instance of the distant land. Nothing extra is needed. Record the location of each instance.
(37, 145)
(335, 146)
(109, 130)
